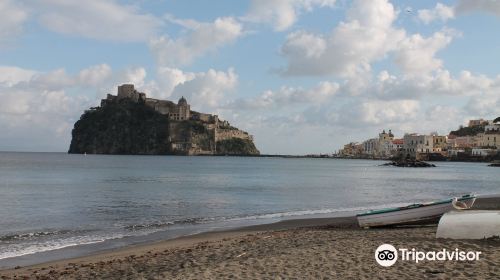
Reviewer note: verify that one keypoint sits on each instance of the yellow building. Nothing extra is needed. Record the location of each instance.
(440, 143)
(490, 140)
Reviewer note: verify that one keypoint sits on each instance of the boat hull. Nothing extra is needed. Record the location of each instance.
(424, 214)
(473, 224)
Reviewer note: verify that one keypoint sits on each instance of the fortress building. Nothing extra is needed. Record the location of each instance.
(218, 130)
(179, 112)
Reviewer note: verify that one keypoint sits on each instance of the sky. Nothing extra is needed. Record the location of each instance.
(302, 76)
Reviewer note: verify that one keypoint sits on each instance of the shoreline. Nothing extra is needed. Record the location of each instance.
(190, 239)
(345, 226)
(313, 156)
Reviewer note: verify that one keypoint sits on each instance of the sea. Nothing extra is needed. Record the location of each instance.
(56, 205)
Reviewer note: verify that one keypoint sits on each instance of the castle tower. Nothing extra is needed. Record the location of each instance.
(184, 109)
(125, 91)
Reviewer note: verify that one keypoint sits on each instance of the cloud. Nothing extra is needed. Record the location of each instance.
(36, 106)
(440, 12)
(443, 13)
(135, 76)
(95, 75)
(97, 19)
(282, 14)
(12, 17)
(379, 112)
(207, 90)
(416, 54)
(45, 105)
(286, 96)
(366, 36)
(11, 75)
(486, 6)
(201, 38)
(440, 83)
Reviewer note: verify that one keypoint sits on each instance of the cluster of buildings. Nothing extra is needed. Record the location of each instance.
(214, 129)
(485, 143)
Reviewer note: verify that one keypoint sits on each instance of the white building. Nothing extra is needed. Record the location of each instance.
(423, 144)
(492, 127)
(455, 152)
(370, 147)
(483, 152)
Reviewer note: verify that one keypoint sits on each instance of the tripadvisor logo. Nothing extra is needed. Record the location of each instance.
(387, 255)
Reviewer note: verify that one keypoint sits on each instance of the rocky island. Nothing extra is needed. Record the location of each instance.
(130, 123)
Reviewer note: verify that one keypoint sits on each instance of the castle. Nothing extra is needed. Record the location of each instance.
(190, 143)
(178, 112)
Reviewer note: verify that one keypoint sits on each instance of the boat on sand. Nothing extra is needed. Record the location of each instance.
(414, 214)
(474, 224)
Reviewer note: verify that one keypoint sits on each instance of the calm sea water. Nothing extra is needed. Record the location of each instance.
(50, 201)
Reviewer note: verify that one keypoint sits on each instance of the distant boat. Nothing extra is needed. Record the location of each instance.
(414, 214)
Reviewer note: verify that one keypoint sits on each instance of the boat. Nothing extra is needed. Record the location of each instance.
(414, 214)
(473, 224)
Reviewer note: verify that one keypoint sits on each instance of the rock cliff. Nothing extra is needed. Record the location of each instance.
(128, 127)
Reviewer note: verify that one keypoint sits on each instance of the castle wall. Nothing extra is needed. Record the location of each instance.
(223, 134)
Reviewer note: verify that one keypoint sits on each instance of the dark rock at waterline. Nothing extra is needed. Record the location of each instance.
(409, 163)
(495, 165)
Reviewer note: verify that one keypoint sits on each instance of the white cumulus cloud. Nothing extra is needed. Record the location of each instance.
(207, 90)
(201, 37)
(282, 14)
(416, 54)
(366, 36)
(286, 96)
(440, 12)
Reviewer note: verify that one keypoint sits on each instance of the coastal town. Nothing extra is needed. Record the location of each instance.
(478, 141)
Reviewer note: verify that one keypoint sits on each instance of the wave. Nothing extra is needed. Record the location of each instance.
(263, 216)
(159, 225)
(312, 212)
(21, 249)
(38, 234)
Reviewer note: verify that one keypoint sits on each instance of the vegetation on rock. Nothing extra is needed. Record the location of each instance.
(468, 131)
(236, 146)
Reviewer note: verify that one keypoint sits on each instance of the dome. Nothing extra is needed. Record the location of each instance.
(182, 101)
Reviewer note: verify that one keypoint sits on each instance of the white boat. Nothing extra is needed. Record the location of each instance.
(473, 224)
(425, 213)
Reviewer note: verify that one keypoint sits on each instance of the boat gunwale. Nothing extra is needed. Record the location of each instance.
(413, 206)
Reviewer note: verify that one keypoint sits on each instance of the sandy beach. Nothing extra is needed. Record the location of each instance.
(295, 249)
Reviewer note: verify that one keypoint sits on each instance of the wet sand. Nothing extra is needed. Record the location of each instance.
(300, 249)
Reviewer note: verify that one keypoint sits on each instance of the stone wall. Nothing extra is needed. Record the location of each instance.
(223, 134)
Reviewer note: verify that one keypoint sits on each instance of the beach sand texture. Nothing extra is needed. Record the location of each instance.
(309, 253)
